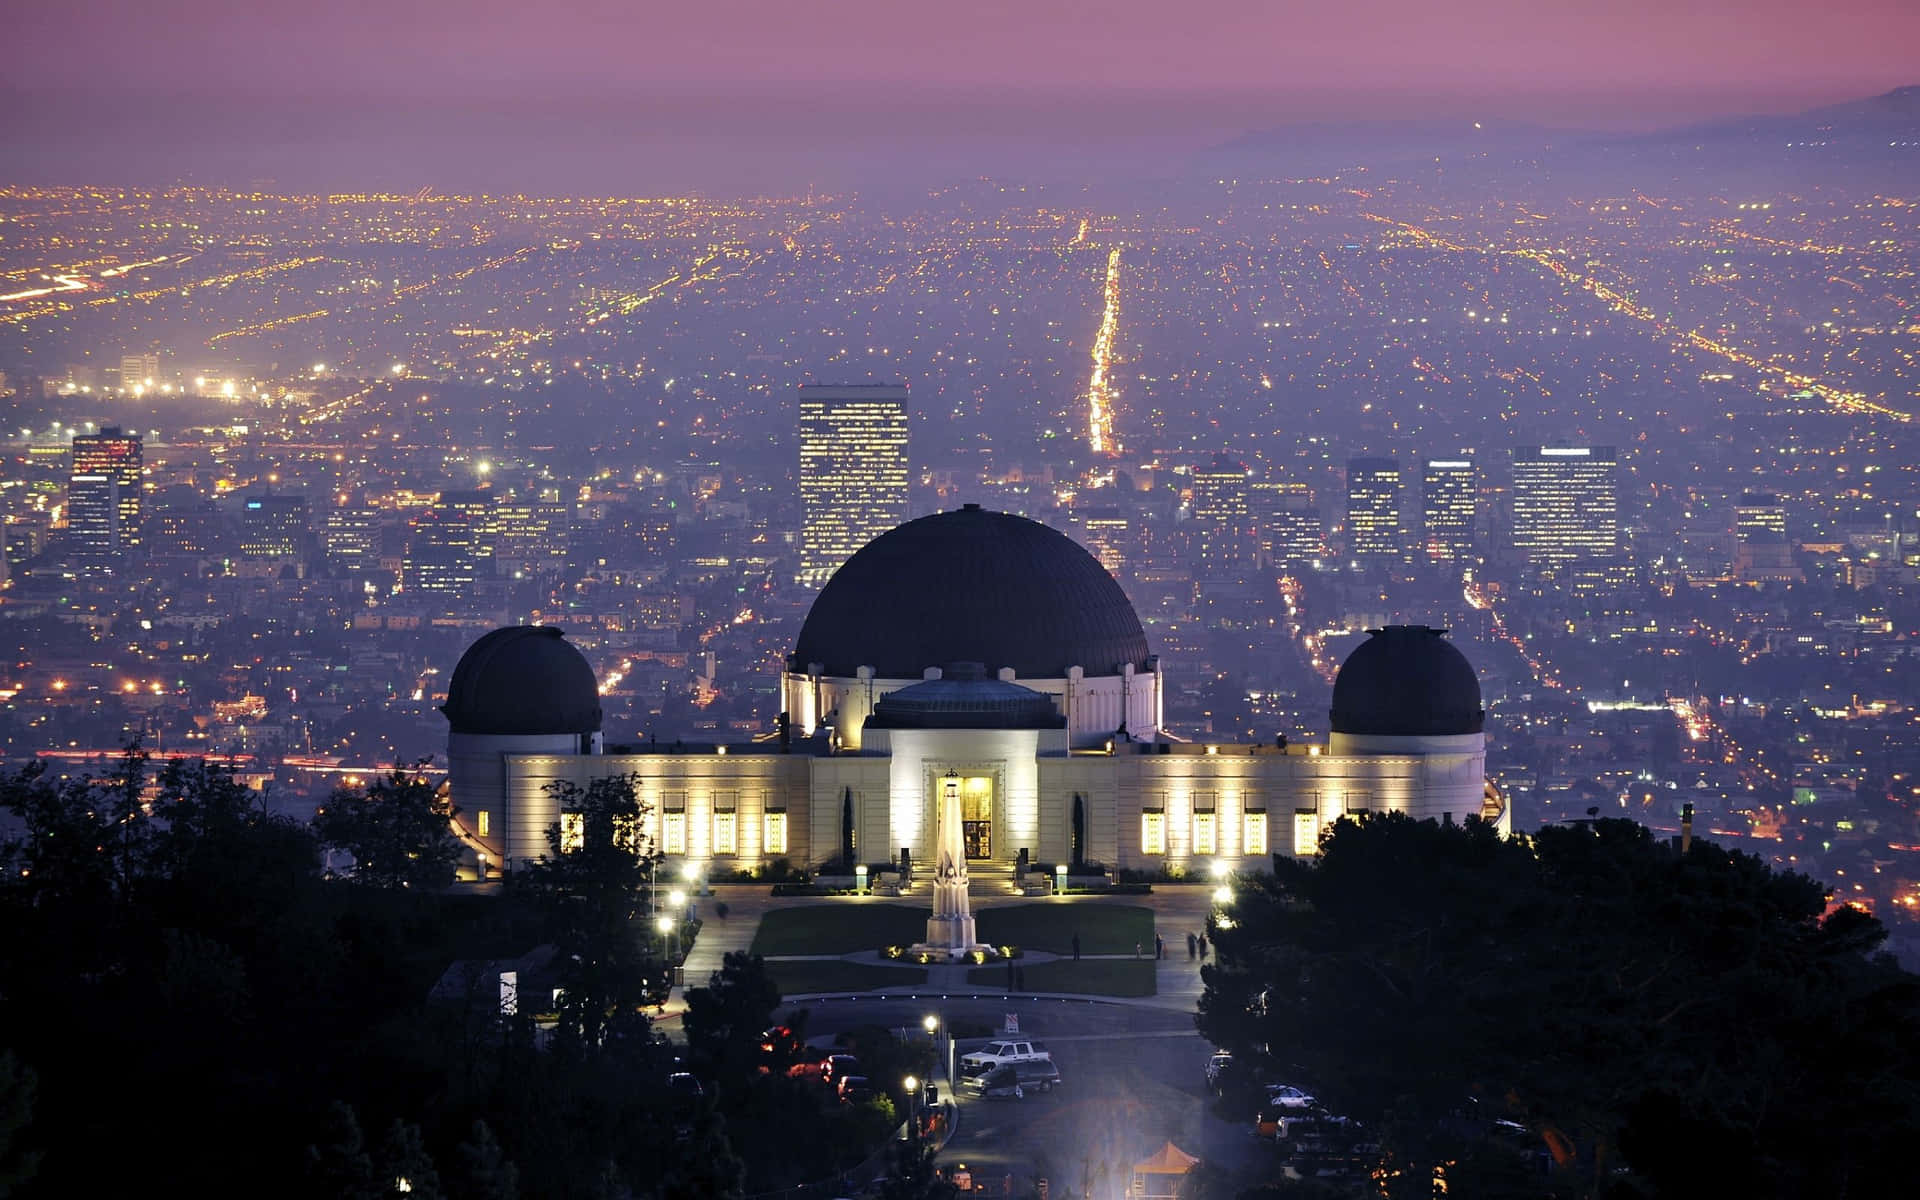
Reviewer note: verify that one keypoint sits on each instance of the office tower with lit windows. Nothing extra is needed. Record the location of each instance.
(1565, 504)
(853, 472)
(1287, 525)
(1108, 536)
(452, 545)
(1374, 530)
(350, 534)
(104, 492)
(1222, 513)
(139, 371)
(1759, 512)
(1449, 491)
(273, 526)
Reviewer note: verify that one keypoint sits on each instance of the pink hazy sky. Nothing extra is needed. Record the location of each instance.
(1740, 50)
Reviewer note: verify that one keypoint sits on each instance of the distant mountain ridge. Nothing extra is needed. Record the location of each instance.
(1893, 114)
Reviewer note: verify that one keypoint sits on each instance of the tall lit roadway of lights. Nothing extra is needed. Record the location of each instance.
(1099, 389)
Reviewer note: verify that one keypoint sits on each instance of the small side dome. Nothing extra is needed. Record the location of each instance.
(1407, 681)
(523, 680)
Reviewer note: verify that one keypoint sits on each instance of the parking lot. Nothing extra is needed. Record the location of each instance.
(1132, 1079)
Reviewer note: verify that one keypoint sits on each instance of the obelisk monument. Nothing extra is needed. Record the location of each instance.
(950, 928)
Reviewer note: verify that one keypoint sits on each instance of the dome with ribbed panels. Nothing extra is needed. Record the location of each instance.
(523, 680)
(971, 586)
(1407, 681)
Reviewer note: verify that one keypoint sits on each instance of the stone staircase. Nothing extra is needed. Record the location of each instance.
(983, 879)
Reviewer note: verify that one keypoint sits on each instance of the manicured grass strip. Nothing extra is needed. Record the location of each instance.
(1103, 928)
(1089, 976)
(839, 928)
(799, 976)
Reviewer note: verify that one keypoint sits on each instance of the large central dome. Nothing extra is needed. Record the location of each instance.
(971, 586)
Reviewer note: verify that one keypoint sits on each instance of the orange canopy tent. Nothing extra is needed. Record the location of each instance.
(1159, 1176)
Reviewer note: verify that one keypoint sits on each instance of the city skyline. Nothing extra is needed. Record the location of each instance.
(508, 515)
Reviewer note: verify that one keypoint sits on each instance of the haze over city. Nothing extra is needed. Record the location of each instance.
(813, 600)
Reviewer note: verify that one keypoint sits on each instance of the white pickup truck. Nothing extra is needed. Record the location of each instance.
(994, 1054)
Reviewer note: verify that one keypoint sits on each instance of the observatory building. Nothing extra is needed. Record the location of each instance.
(981, 660)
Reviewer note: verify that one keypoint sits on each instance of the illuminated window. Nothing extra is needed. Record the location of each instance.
(1306, 832)
(1253, 832)
(726, 837)
(675, 833)
(573, 832)
(776, 831)
(1203, 826)
(1153, 833)
(483, 822)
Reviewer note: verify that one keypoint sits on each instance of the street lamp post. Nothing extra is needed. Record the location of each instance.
(913, 1106)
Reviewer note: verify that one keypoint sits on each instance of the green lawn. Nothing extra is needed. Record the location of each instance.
(800, 976)
(1103, 928)
(1089, 976)
(840, 928)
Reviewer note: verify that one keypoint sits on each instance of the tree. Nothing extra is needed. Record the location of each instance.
(399, 831)
(1687, 1017)
(726, 1020)
(17, 1165)
(405, 1166)
(705, 1166)
(339, 1166)
(911, 1176)
(591, 887)
(481, 1170)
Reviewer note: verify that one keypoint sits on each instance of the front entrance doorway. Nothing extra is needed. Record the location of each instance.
(976, 816)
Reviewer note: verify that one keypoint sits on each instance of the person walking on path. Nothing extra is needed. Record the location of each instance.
(1159, 947)
(1193, 948)
(1136, 949)
(1203, 947)
(1076, 945)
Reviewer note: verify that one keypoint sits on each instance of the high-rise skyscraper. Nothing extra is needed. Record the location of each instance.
(452, 545)
(1449, 491)
(104, 492)
(1287, 523)
(1759, 512)
(351, 535)
(853, 472)
(1565, 506)
(1374, 530)
(273, 526)
(139, 370)
(1222, 513)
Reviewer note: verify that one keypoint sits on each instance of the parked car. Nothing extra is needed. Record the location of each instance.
(684, 1085)
(838, 1066)
(1326, 1141)
(994, 1053)
(1280, 1095)
(1217, 1063)
(1274, 1119)
(852, 1089)
(1012, 1080)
